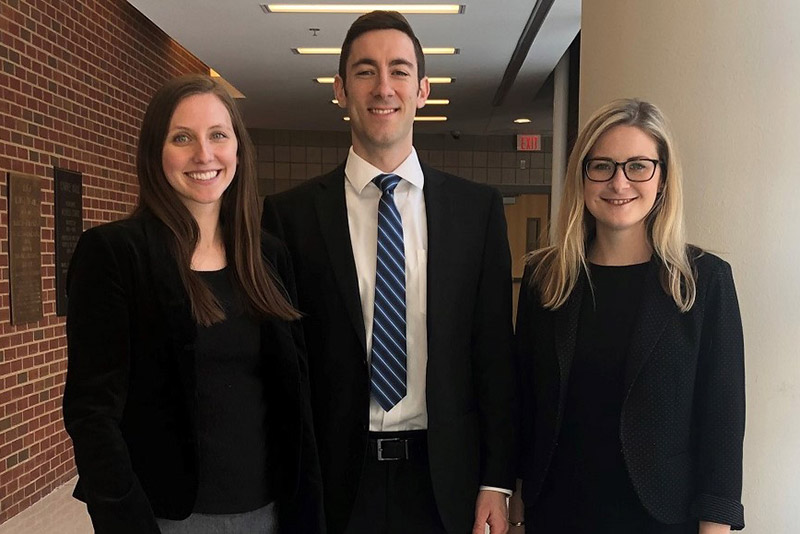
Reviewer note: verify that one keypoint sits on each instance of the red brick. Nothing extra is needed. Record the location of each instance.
(74, 82)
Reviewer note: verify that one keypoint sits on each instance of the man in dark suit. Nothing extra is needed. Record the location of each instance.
(404, 278)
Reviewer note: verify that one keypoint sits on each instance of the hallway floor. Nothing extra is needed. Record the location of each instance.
(58, 513)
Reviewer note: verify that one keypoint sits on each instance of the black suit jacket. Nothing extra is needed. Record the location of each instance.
(130, 389)
(469, 373)
(682, 421)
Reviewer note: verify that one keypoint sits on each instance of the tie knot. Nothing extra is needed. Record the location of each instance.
(387, 182)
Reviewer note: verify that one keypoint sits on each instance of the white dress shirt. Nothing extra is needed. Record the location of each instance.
(362, 198)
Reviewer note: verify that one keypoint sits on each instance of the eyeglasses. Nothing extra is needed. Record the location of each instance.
(635, 170)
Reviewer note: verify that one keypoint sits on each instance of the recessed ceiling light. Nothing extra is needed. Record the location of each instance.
(522, 121)
(328, 51)
(440, 51)
(426, 118)
(445, 79)
(427, 9)
(429, 102)
(317, 51)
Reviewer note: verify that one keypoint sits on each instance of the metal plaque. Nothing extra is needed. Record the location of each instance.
(25, 247)
(69, 226)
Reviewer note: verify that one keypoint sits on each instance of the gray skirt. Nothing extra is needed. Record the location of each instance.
(261, 521)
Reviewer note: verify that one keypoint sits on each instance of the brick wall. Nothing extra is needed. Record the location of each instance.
(286, 158)
(75, 77)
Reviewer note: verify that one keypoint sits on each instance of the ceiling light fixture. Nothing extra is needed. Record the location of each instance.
(445, 79)
(418, 9)
(429, 102)
(522, 121)
(329, 51)
(426, 118)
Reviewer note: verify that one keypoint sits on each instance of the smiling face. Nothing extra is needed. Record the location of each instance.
(620, 205)
(382, 94)
(199, 155)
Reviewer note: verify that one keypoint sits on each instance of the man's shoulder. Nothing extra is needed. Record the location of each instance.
(456, 185)
(302, 192)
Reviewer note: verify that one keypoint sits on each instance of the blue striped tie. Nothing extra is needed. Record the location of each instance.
(389, 321)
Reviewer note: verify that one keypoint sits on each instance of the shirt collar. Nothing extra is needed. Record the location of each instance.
(359, 172)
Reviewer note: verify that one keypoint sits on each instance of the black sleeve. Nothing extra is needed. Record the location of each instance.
(720, 406)
(523, 348)
(304, 514)
(98, 337)
(492, 354)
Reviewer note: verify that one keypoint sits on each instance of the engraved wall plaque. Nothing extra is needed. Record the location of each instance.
(69, 226)
(24, 247)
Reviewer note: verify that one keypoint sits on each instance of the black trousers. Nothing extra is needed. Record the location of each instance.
(396, 496)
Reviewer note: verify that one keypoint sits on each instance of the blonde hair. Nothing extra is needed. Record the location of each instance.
(556, 268)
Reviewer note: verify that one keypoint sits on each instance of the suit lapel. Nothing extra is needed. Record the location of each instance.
(441, 245)
(173, 301)
(656, 310)
(170, 292)
(332, 216)
(566, 335)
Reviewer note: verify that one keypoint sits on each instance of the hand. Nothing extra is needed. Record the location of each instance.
(707, 527)
(490, 508)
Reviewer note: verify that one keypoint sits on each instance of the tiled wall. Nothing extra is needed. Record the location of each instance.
(286, 158)
(75, 77)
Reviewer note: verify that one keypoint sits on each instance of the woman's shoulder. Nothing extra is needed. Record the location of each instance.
(712, 273)
(537, 263)
(126, 241)
(117, 235)
(129, 227)
(705, 262)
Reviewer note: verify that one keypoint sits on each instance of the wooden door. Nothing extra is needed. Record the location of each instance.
(528, 219)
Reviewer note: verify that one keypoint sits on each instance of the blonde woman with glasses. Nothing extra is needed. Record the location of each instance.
(630, 351)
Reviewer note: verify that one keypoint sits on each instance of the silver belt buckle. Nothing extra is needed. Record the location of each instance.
(381, 441)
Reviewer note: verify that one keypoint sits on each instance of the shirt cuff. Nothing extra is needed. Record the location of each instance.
(505, 491)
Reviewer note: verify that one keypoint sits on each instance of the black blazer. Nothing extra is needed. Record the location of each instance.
(128, 401)
(682, 421)
(469, 373)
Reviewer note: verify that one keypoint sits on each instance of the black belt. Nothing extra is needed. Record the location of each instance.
(389, 446)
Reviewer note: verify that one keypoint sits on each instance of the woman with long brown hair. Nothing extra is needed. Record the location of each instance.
(186, 395)
(629, 348)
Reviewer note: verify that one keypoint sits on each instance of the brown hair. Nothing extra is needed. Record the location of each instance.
(379, 20)
(239, 216)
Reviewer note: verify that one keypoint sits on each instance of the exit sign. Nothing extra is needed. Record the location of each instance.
(529, 142)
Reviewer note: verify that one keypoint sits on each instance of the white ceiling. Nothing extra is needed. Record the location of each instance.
(252, 50)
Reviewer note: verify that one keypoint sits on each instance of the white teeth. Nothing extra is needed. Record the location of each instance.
(618, 202)
(202, 176)
(381, 111)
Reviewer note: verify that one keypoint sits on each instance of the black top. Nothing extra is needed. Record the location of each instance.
(231, 408)
(587, 489)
